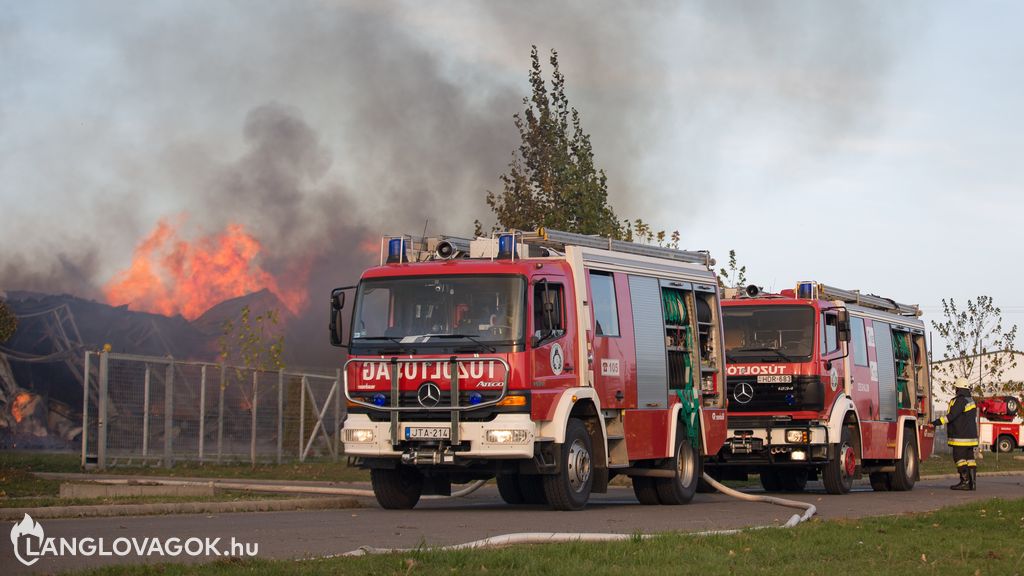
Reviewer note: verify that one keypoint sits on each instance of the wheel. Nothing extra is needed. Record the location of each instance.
(770, 481)
(509, 490)
(569, 489)
(687, 467)
(1012, 405)
(645, 490)
(397, 488)
(792, 479)
(839, 471)
(905, 476)
(1005, 444)
(881, 481)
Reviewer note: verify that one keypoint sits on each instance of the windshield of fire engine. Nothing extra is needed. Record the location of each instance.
(768, 333)
(448, 311)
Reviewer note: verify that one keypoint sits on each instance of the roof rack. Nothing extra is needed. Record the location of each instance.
(814, 290)
(559, 240)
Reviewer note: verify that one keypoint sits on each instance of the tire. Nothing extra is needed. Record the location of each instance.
(770, 481)
(1005, 444)
(397, 488)
(509, 490)
(881, 481)
(687, 465)
(839, 471)
(905, 476)
(569, 489)
(645, 490)
(792, 479)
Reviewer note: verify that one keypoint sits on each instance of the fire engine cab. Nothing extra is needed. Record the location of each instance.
(1001, 423)
(548, 360)
(824, 383)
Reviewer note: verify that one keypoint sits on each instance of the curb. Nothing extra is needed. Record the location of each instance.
(179, 508)
(982, 474)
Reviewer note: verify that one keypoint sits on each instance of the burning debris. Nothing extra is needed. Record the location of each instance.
(30, 420)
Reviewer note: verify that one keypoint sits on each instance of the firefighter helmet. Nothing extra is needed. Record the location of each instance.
(961, 383)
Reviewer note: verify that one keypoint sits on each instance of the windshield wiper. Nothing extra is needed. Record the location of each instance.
(473, 339)
(391, 338)
(760, 349)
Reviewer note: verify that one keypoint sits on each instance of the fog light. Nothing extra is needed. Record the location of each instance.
(358, 435)
(796, 436)
(506, 436)
(798, 455)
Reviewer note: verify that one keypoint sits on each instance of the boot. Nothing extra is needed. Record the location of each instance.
(964, 480)
(972, 477)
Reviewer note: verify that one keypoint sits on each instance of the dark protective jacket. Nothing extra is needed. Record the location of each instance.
(961, 419)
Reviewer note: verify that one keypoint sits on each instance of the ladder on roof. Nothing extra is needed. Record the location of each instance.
(813, 289)
(559, 240)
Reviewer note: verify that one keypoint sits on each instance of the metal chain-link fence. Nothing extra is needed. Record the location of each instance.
(145, 410)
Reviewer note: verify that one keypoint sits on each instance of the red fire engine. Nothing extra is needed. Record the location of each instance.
(826, 383)
(550, 361)
(1001, 423)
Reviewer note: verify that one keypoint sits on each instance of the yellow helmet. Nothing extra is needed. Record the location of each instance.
(961, 383)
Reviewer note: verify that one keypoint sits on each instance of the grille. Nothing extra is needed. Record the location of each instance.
(804, 393)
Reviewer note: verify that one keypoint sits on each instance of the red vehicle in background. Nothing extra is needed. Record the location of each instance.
(549, 361)
(824, 383)
(1001, 423)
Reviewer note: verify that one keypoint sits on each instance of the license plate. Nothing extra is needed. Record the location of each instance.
(774, 379)
(412, 433)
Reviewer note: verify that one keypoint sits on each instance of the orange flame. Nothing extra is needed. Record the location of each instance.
(21, 402)
(170, 276)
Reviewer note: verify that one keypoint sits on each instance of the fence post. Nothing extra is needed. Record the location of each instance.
(145, 413)
(101, 417)
(220, 414)
(337, 413)
(85, 409)
(255, 389)
(280, 413)
(169, 416)
(302, 418)
(202, 412)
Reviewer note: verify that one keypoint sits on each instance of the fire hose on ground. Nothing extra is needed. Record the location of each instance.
(493, 541)
(557, 537)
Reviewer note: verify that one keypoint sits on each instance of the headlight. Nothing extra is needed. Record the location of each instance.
(358, 435)
(506, 436)
(796, 436)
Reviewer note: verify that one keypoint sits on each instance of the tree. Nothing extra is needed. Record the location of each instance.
(8, 322)
(734, 276)
(977, 347)
(552, 180)
(255, 343)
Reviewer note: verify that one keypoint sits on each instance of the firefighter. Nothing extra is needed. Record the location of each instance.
(961, 421)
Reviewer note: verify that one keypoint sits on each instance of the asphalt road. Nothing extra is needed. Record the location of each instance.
(449, 521)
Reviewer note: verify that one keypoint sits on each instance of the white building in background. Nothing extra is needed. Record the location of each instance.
(1011, 377)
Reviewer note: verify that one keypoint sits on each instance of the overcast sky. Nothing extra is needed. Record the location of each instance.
(872, 145)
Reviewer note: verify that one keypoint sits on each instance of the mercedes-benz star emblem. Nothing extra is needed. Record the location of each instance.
(428, 395)
(743, 392)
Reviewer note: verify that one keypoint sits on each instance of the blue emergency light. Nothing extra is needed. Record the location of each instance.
(379, 399)
(396, 251)
(805, 290)
(475, 398)
(506, 246)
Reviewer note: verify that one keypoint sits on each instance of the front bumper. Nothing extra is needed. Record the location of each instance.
(473, 443)
(770, 445)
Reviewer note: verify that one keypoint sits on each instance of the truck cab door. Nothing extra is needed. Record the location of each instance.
(553, 354)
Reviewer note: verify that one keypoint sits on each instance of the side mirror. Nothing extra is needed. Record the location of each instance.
(337, 320)
(843, 325)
